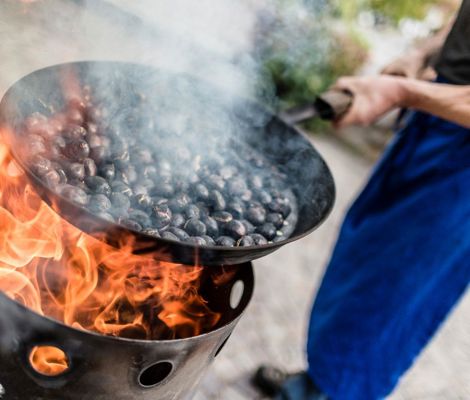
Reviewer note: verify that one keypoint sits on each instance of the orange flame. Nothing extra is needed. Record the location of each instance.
(56, 270)
(48, 360)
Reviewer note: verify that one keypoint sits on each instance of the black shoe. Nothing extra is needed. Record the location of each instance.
(274, 382)
(269, 380)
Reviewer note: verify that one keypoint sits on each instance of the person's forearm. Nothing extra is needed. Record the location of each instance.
(450, 102)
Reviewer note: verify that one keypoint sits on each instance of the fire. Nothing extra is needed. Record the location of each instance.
(49, 360)
(56, 270)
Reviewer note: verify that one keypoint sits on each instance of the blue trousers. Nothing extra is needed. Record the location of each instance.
(401, 262)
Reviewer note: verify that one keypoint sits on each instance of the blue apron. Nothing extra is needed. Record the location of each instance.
(401, 262)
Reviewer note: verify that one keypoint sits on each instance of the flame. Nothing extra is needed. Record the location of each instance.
(48, 360)
(56, 270)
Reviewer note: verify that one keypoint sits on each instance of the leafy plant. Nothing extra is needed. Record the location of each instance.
(304, 54)
(398, 9)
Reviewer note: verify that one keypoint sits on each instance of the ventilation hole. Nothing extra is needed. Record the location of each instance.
(48, 360)
(156, 373)
(221, 346)
(236, 294)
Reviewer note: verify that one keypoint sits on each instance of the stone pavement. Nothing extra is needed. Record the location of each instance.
(274, 326)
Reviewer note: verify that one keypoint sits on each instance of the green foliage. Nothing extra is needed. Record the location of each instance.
(298, 80)
(307, 55)
(394, 10)
(398, 9)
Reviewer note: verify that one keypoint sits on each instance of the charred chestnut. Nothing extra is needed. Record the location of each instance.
(225, 241)
(98, 185)
(151, 232)
(258, 239)
(197, 240)
(276, 219)
(77, 150)
(162, 215)
(222, 217)
(256, 214)
(40, 165)
(121, 187)
(141, 199)
(75, 171)
(280, 205)
(99, 154)
(236, 208)
(170, 236)
(237, 186)
(130, 224)
(195, 227)
(163, 189)
(223, 195)
(192, 211)
(108, 171)
(216, 200)
(74, 194)
(178, 220)
(52, 178)
(36, 145)
(90, 167)
(75, 132)
(245, 241)
(200, 192)
(99, 203)
(212, 227)
(268, 230)
(209, 241)
(250, 228)
(141, 217)
(235, 229)
(106, 216)
(120, 201)
(179, 203)
(179, 233)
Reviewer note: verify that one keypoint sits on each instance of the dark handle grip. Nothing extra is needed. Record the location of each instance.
(330, 106)
(334, 104)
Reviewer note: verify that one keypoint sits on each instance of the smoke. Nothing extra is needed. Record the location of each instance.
(217, 41)
(209, 57)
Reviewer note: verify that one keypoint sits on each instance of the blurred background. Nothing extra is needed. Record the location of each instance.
(286, 51)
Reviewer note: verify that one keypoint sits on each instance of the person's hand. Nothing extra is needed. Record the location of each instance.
(374, 96)
(413, 66)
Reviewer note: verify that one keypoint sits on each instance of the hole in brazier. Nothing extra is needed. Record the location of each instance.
(48, 360)
(236, 294)
(155, 374)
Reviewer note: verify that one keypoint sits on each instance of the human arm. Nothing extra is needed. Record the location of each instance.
(375, 96)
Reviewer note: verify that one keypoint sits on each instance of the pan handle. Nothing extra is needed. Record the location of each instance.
(330, 106)
(334, 104)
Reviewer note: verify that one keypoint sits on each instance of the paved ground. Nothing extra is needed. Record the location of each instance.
(273, 328)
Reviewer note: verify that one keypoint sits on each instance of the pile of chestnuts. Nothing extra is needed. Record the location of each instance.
(158, 185)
